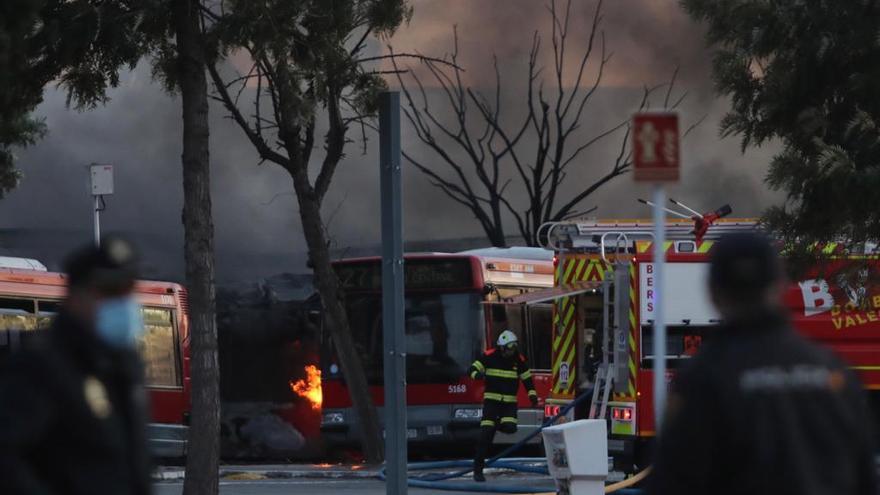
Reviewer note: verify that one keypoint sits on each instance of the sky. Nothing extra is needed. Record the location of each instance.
(255, 216)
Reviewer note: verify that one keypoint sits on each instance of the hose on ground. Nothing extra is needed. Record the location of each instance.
(439, 481)
(521, 464)
(622, 486)
(588, 393)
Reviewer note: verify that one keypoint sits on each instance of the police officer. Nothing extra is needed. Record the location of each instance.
(760, 409)
(72, 406)
(502, 367)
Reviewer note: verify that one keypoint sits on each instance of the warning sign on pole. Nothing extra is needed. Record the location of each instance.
(656, 153)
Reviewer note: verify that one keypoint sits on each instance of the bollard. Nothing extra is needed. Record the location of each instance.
(577, 456)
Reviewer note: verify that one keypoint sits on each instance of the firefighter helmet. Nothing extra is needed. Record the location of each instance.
(506, 338)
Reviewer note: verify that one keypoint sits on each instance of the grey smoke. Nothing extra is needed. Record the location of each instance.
(256, 221)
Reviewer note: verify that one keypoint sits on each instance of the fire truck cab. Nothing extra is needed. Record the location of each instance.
(603, 300)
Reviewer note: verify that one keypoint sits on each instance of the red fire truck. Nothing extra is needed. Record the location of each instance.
(454, 311)
(603, 316)
(29, 298)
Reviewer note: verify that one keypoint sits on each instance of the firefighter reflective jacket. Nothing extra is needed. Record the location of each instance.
(503, 375)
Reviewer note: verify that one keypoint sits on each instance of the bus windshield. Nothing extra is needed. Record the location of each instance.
(442, 334)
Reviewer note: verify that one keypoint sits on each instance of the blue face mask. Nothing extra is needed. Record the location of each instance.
(118, 322)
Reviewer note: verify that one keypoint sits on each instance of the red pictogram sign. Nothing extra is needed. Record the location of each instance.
(656, 153)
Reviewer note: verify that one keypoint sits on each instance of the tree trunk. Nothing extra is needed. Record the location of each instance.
(203, 449)
(496, 236)
(327, 285)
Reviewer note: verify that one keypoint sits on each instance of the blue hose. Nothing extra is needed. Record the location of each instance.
(438, 481)
(523, 465)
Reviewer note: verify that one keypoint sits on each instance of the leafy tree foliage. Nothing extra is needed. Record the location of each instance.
(807, 74)
(83, 45)
(80, 44)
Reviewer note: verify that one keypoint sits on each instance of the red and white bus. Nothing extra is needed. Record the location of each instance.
(452, 314)
(604, 299)
(29, 298)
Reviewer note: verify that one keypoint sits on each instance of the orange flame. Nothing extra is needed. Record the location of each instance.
(310, 387)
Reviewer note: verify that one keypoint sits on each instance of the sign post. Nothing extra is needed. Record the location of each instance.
(394, 341)
(657, 159)
(102, 184)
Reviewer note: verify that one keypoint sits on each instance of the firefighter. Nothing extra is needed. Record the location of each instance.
(72, 407)
(502, 367)
(760, 409)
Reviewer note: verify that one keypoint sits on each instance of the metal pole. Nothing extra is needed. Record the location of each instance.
(659, 294)
(97, 220)
(394, 343)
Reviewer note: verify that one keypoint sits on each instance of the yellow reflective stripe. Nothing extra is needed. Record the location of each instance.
(487, 422)
(498, 397)
(479, 366)
(499, 373)
(525, 375)
(705, 247)
(533, 393)
(508, 419)
(474, 374)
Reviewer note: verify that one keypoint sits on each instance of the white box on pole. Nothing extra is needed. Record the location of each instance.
(101, 179)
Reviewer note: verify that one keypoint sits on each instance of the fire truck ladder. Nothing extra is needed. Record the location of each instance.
(604, 382)
(602, 391)
(614, 236)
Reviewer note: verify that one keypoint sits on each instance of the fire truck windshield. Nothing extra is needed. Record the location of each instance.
(442, 334)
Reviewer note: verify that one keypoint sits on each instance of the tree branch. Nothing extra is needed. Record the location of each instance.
(259, 143)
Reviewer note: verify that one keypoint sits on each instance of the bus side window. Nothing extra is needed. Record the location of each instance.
(17, 318)
(46, 310)
(17, 314)
(158, 348)
(540, 336)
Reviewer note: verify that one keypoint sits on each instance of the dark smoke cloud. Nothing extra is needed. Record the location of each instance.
(256, 220)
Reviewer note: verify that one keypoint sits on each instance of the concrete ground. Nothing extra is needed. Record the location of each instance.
(319, 479)
(297, 486)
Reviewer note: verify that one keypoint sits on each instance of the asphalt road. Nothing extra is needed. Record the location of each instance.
(300, 486)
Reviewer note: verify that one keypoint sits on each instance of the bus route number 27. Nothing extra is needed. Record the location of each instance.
(460, 388)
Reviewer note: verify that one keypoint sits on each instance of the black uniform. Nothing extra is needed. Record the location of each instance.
(762, 410)
(72, 418)
(502, 376)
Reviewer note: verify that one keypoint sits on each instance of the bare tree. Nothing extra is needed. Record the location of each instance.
(481, 156)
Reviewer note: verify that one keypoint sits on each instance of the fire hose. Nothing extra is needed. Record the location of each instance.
(532, 465)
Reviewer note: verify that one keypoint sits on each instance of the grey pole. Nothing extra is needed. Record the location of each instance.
(659, 303)
(394, 344)
(97, 214)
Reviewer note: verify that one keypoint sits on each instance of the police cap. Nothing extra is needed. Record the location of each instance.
(111, 267)
(745, 263)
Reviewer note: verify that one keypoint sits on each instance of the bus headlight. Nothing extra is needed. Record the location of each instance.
(332, 418)
(469, 413)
